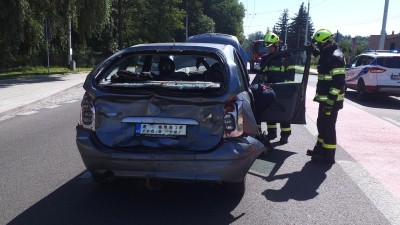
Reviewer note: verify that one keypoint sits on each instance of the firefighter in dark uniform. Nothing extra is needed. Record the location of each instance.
(329, 95)
(274, 71)
(264, 96)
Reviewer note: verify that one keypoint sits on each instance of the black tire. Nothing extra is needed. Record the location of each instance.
(236, 188)
(361, 94)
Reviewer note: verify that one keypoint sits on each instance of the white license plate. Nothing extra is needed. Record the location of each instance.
(395, 77)
(147, 129)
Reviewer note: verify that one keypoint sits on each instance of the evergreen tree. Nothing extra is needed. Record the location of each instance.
(296, 29)
(282, 25)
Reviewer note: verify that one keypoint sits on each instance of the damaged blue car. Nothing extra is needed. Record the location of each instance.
(174, 111)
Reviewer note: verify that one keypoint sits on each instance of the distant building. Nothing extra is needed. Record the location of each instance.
(392, 41)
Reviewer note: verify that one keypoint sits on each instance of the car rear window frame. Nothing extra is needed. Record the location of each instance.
(104, 68)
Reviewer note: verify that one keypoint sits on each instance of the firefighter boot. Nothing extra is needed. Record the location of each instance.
(284, 137)
(264, 139)
(286, 131)
(271, 128)
(271, 135)
(317, 150)
(328, 157)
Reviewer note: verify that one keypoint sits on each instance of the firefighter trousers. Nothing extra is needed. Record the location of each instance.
(286, 130)
(326, 125)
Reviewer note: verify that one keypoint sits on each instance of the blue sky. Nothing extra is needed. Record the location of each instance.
(350, 17)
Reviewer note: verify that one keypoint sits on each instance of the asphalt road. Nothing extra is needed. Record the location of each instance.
(45, 182)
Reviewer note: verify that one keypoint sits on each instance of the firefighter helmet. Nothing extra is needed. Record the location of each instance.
(270, 39)
(321, 36)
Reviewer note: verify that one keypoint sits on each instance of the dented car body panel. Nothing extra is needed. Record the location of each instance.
(190, 120)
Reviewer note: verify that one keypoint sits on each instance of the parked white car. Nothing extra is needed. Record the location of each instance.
(374, 72)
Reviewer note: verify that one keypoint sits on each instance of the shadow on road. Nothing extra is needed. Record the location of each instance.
(81, 201)
(30, 80)
(375, 101)
(301, 185)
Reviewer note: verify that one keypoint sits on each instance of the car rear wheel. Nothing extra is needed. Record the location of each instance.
(236, 188)
(361, 94)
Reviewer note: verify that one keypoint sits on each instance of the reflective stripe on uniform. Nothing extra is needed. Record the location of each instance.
(286, 129)
(273, 68)
(321, 98)
(334, 91)
(328, 146)
(324, 145)
(271, 126)
(324, 98)
(335, 71)
(324, 77)
(290, 67)
(329, 102)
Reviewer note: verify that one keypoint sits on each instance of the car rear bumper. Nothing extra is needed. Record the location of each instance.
(388, 90)
(229, 162)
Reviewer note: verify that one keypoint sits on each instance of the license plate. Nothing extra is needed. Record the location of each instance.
(147, 129)
(395, 77)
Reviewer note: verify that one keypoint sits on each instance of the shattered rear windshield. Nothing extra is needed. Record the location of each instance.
(165, 71)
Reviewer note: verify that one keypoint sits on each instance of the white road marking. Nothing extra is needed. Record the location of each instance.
(71, 101)
(392, 121)
(52, 106)
(388, 204)
(27, 113)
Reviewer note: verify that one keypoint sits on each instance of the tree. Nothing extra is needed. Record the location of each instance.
(282, 25)
(204, 24)
(227, 14)
(22, 21)
(163, 19)
(252, 37)
(296, 29)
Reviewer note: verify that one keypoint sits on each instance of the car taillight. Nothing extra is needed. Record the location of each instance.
(233, 119)
(230, 117)
(87, 112)
(376, 70)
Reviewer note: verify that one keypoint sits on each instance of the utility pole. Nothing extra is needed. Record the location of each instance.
(186, 20)
(306, 33)
(286, 35)
(383, 31)
(69, 42)
(47, 36)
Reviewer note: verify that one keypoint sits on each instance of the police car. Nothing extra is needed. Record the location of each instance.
(374, 72)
